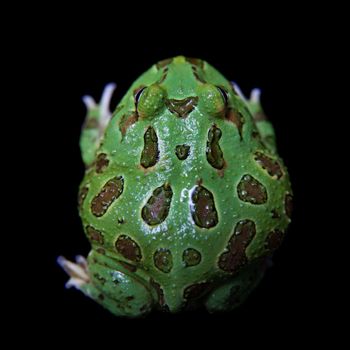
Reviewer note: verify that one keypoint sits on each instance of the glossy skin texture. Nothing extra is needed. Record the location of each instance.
(184, 196)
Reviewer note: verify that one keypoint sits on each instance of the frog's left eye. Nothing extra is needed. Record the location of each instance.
(149, 101)
(138, 94)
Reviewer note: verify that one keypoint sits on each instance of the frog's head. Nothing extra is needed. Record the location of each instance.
(182, 84)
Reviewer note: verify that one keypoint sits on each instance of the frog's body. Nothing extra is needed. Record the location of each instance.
(184, 196)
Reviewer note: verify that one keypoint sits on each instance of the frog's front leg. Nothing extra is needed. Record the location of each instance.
(262, 123)
(97, 118)
(111, 284)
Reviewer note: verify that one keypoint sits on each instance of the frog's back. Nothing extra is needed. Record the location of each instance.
(183, 186)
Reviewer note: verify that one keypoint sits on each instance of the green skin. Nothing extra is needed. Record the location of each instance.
(129, 280)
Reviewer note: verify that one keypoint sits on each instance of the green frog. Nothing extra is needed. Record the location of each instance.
(184, 198)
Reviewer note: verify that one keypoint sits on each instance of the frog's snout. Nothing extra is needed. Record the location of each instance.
(182, 108)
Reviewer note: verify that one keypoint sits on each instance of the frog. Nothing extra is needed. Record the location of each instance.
(184, 198)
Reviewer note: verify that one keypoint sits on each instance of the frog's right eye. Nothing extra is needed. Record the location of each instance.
(213, 99)
(149, 101)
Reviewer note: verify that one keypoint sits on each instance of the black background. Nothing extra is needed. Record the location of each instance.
(79, 58)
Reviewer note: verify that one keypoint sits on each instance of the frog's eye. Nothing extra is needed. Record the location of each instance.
(138, 94)
(149, 101)
(213, 100)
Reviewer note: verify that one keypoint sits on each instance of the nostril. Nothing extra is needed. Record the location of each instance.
(182, 108)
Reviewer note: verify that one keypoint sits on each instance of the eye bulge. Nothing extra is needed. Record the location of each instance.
(213, 100)
(150, 101)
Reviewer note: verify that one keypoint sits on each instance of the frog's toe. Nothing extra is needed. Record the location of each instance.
(255, 96)
(238, 90)
(76, 271)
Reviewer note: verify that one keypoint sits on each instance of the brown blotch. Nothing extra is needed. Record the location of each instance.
(214, 153)
(82, 195)
(150, 152)
(101, 297)
(163, 63)
(191, 257)
(195, 61)
(267, 163)
(157, 207)
(159, 291)
(109, 193)
(251, 190)
(127, 247)
(275, 214)
(288, 205)
(163, 260)
(274, 240)
(101, 251)
(203, 210)
(235, 257)
(182, 108)
(182, 151)
(95, 235)
(128, 266)
(236, 118)
(129, 298)
(126, 121)
(197, 290)
(101, 163)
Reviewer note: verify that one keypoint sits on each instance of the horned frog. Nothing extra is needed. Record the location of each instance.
(184, 198)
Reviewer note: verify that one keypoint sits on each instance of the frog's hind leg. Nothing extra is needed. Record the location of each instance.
(113, 285)
(97, 118)
(265, 128)
(234, 292)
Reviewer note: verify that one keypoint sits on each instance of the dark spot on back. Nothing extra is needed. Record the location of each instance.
(101, 163)
(275, 214)
(94, 235)
(214, 152)
(236, 118)
(109, 193)
(163, 260)
(272, 166)
(288, 205)
(182, 108)
(128, 248)
(157, 207)
(203, 210)
(191, 257)
(126, 121)
(150, 152)
(82, 195)
(251, 190)
(182, 151)
(196, 291)
(274, 240)
(235, 257)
